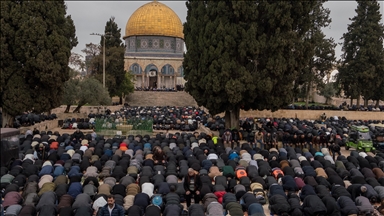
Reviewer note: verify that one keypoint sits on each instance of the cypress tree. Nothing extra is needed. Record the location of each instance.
(244, 54)
(361, 70)
(114, 59)
(321, 50)
(36, 42)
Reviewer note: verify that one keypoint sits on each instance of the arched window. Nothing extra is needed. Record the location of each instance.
(135, 68)
(181, 71)
(167, 70)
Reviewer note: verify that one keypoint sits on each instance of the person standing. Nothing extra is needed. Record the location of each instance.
(248, 128)
(259, 138)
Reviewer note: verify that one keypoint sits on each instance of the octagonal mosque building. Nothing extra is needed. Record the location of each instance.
(155, 46)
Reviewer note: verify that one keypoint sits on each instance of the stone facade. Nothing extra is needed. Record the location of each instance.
(155, 61)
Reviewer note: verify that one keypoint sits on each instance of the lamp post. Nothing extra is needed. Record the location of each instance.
(103, 35)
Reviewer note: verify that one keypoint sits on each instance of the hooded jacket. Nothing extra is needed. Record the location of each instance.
(214, 209)
(363, 204)
(307, 190)
(279, 204)
(172, 210)
(75, 171)
(75, 189)
(234, 209)
(347, 206)
(312, 205)
(333, 208)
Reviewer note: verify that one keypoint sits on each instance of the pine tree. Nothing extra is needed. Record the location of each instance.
(362, 68)
(36, 42)
(244, 54)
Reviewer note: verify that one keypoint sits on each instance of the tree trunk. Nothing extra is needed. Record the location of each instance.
(77, 110)
(121, 100)
(326, 101)
(365, 102)
(307, 95)
(6, 119)
(67, 109)
(232, 118)
(377, 104)
(358, 101)
(351, 101)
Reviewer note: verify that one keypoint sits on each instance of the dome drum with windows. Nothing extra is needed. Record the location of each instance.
(155, 46)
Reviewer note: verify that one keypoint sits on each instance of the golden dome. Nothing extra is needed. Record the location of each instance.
(154, 18)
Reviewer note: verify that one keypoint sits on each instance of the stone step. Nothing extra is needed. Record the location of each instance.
(152, 98)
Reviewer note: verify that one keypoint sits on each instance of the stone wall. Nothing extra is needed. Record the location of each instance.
(43, 126)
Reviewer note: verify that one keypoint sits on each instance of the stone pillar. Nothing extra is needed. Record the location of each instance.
(174, 81)
(163, 81)
(158, 81)
(142, 79)
(171, 81)
(147, 80)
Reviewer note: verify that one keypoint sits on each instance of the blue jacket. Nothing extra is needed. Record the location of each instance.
(46, 170)
(116, 211)
(59, 170)
(108, 152)
(75, 171)
(75, 189)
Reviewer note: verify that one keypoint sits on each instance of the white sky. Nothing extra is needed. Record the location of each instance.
(91, 17)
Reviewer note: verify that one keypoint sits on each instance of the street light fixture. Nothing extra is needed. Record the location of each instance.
(108, 34)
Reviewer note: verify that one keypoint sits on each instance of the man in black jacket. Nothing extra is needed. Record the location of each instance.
(77, 135)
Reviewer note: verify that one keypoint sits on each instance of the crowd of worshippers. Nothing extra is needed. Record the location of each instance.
(141, 175)
(28, 119)
(331, 133)
(163, 117)
(344, 106)
(163, 89)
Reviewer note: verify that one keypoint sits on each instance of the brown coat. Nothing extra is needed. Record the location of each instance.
(133, 189)
(321, 172)
(65, 201)
(104, 189)
(283, 164)
(214, 171)
(88, 153)
(378, 172)
(61, 179)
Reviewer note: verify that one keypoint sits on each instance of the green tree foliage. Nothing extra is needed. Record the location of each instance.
(322, 52)
(71, 90)
(361, 72)
(114, 59)
(36, 42)
(245, 54)
(328, 91)
(127, 86)
(91, 92)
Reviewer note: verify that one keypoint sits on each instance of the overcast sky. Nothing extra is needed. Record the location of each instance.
(91, 17)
